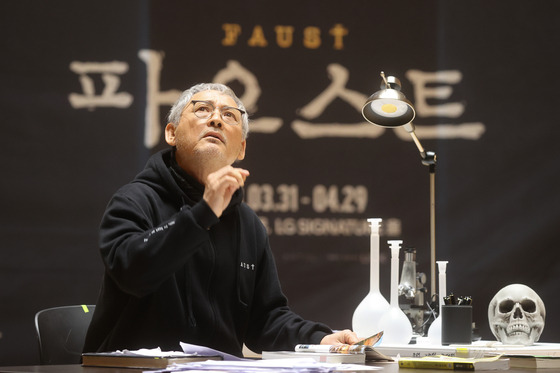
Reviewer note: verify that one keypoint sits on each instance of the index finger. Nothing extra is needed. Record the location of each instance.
(241, 174)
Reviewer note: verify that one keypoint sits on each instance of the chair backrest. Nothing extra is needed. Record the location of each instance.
(61, 332)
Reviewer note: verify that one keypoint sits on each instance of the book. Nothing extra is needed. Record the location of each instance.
(474, 350)
(370, 341)
(540, 348)
(533, 361)
(133, 360)
(369, 352)
(322, 357)
(454, 363)
(356, 353)
(419, 351)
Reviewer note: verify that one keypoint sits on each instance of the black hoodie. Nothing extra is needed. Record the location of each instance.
(174, 272)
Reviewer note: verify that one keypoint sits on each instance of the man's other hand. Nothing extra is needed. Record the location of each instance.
(341, 337)
(221, 185)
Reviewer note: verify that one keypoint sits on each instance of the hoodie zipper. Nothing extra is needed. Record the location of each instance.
(191, 317)
(211, 277)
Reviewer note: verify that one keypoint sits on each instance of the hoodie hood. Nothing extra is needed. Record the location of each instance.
(169, 180)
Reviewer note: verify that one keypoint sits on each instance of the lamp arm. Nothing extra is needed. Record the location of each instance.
(428, 159)
(418, 145)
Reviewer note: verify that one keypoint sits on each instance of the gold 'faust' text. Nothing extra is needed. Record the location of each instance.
(284, 36)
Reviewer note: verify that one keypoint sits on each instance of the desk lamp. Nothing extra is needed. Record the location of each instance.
(389, 108)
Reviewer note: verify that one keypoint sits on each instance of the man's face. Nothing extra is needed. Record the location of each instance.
(212, 138)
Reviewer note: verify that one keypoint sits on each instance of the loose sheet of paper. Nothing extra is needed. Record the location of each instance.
(303, 365)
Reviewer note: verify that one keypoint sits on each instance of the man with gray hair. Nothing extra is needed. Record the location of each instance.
(185, 259)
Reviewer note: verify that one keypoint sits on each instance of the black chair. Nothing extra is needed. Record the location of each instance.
(61, 332)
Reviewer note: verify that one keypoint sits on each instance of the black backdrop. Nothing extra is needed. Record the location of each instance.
(85, 87)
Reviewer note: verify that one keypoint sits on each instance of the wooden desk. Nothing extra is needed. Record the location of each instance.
(71, 368)
(81, 369)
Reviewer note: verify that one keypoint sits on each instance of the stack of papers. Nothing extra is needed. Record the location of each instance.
(143, 358)
(235, 364)
(262, 366)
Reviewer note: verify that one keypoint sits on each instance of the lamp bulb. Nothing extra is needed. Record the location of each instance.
(389, 108)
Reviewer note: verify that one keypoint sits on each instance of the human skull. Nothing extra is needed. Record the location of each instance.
(516, 315)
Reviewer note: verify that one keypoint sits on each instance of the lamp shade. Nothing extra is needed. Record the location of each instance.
(388, 107)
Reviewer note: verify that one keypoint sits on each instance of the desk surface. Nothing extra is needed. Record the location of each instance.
(73, 368)
(81, 369)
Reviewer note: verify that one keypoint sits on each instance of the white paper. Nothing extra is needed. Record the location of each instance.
(154, 352)
(207, 351)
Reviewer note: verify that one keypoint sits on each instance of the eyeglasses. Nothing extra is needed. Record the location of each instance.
(204, 110)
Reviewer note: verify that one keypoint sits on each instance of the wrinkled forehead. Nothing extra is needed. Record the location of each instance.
(216, 97)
